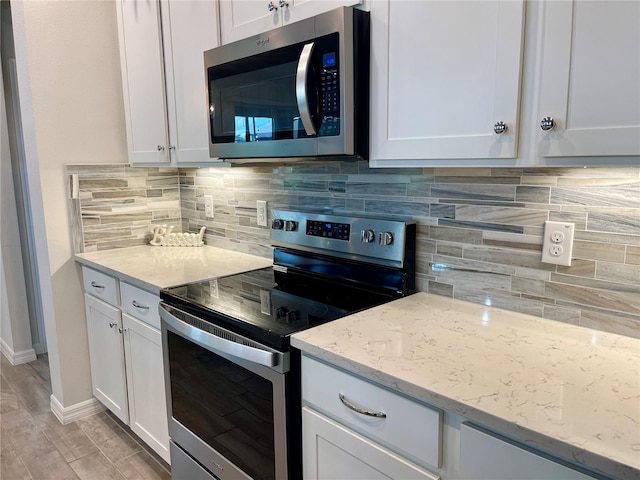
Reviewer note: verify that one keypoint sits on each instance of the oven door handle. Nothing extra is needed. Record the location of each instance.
(213, 342)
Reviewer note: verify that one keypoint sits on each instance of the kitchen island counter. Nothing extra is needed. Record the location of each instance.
(563, 389)
(155, 268)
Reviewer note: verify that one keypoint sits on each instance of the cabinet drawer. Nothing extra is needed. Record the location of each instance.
(140, 304)
(100, 285)
(410, 428)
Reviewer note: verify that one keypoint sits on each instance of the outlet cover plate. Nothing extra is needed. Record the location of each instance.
(557, 243)
(261, 206)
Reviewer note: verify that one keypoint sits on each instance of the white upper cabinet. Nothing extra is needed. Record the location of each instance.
(243, 18)
(443, 75)
(590, 78)
(164, 87)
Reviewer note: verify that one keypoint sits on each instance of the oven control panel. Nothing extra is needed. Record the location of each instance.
(376, 238)
(337, 230)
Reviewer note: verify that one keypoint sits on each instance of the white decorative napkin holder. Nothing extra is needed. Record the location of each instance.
(164, 237)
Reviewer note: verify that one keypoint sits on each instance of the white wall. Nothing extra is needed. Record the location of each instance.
(15, 332)
(72, 108)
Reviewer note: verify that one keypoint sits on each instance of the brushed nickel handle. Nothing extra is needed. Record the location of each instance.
(284, 4)
(500, 128)
(122, 330)
(547, 123)
(96, 285)
(272, 7)
(368, 413)
(160, 148)
(139, 305)
(172, 147)
(112, 324)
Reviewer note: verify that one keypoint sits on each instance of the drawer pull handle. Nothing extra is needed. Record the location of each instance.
(368, 413)
(96, 285)
(139, 305)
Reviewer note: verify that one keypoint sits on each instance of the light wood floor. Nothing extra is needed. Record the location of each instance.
(35, 445)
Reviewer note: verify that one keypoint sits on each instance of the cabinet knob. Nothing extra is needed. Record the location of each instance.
(112, 324)
(160, 148)
(547, 123)
(272, 7)
(122, 330)
(172, 147)
(500, 128)
(284, 4)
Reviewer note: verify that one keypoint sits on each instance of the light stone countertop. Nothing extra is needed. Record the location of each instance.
(154, 268)
(564, 389)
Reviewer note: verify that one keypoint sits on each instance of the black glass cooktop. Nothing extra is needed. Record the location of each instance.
(268, 305)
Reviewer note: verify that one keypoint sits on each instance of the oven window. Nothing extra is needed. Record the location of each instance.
(227, 406)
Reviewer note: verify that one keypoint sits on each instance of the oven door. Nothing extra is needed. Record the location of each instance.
(226, 398)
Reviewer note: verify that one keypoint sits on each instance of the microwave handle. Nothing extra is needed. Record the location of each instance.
(301, 88)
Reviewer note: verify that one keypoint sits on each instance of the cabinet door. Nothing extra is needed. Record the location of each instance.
(589, 78)
(143, 82)
(443, 74)
(332, 451)
(145, 382)
(189, 28)
(301, 9)
(106, 353)
(242, 18)
(485, 457)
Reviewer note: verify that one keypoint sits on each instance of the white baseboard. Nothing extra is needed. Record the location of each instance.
(17, 358)
(75, 412)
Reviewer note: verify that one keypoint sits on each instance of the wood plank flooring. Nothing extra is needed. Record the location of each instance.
(34, 445)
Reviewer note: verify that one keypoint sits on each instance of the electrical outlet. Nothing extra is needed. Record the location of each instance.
(208, 206)
(557, 243)
(261, 206)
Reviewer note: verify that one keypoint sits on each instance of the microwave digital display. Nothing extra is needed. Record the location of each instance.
(329, 60)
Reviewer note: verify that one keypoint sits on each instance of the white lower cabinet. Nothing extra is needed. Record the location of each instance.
(145, 384)
(354, 429)
(484, 456)
(333, 451)
(125, 350)
(106, 353)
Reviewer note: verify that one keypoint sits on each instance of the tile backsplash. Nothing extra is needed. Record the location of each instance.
(479, 229)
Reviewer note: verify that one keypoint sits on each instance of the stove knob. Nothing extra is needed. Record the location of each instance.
(386, 238)
(292, 316)
(277, 224)
(367, 236)
(291, 226)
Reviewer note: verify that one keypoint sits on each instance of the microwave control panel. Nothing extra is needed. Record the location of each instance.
(329, 96)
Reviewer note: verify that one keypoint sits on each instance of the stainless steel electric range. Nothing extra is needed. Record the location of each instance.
(232, 379)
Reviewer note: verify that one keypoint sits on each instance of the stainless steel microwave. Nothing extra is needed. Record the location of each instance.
(295, 92)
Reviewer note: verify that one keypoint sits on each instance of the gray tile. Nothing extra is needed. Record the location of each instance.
(632, 256)
(614, 301)
(70, 440)
(11, 465)
(142, 466)
(503, 193)
(532, 194)
(562, 314)
(49, 466)
(612, 222)
(95, 466)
